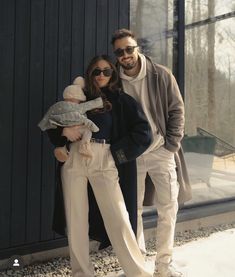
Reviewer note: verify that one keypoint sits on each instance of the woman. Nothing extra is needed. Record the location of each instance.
(124, 134)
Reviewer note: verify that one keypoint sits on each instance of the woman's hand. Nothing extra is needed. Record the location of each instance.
(72, 133)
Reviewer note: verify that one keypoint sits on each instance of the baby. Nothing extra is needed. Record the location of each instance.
(71, 112)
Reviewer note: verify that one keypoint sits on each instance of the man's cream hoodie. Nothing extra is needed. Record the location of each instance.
(136, 86)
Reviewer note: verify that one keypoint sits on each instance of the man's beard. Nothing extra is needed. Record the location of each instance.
(128, 66)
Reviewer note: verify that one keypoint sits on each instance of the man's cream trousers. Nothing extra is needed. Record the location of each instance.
(102, 174)
(160, 165)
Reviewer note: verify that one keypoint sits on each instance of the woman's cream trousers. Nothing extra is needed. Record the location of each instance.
(102, 174)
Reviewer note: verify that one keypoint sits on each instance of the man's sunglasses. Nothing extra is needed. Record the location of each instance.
(107, 72)
(121, 52)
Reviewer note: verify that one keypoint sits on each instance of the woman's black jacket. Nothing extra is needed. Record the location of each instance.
(131, 136)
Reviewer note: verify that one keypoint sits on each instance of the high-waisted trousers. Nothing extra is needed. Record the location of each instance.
(102, 174)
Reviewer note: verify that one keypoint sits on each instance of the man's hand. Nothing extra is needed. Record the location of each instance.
(72, 133)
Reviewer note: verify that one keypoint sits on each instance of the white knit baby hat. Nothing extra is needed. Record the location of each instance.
(75, 90)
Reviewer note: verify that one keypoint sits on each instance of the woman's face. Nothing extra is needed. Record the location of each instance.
(102, 73)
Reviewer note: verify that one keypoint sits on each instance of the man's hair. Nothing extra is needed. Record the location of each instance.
(122, 33)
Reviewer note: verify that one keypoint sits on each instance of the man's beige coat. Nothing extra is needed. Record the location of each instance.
(167, 110)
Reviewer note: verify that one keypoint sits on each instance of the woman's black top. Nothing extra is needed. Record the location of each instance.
(103, 119)
(104, 122)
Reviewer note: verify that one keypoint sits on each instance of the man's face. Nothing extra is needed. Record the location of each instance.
(126, 51)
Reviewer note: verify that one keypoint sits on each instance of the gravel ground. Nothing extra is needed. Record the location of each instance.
(105, 261)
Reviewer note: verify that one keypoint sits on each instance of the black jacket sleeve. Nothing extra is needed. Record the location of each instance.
(55, 136)
(138, 135)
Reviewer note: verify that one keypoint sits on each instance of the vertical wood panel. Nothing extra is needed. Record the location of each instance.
(124, 19)
(34, 134)
(20, 115)
(90, 31)
(102, 27)
(49, 98)
(64, 47)
(7, 25)
(113, 19)
(78, 17)
(44, 46)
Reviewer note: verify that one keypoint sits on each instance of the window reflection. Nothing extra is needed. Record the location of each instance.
(197, 10)
(151, 21)
(209, 144)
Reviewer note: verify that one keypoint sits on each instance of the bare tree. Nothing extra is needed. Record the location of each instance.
(211, 68)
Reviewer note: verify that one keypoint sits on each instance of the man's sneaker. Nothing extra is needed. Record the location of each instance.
(166, 270)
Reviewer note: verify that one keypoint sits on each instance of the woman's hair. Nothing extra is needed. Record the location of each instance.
(91, 87)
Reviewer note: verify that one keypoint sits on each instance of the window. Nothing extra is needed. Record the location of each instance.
(210, 100)
(152, 23)
(209, 86)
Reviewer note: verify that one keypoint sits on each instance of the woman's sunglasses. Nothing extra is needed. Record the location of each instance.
(121, 52)
(107, 72)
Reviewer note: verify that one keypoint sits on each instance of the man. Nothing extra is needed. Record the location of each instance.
(155, 88)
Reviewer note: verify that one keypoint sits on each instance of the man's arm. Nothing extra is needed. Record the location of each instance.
(176, 118)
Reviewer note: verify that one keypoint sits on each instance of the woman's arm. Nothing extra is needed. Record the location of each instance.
(59, 136)
(138, 136)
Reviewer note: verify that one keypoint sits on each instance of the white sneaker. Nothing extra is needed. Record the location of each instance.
(166, 270)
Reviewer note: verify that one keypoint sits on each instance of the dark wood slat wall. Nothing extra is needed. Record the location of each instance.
(7, 30)
(49, 96)
(90, 33)
(36, 87)
(44, 45)
(64, 45)
(123, 15)
(20, 122)
(78, 33)
(113, 20)
(101, 26)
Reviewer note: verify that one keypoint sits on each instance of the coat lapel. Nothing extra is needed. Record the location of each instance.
(153, 93)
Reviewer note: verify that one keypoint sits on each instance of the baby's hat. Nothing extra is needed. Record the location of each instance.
(75, 90)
